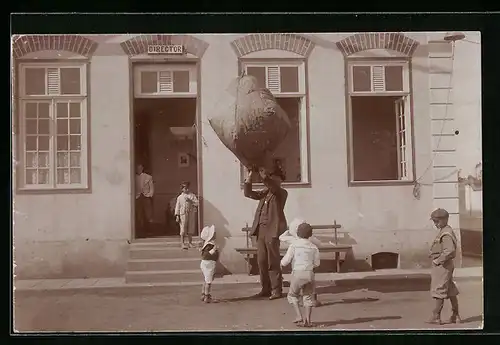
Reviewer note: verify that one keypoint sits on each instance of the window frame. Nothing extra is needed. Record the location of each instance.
(407, 94)
(22, 99)
(303, 94)
(166, 67)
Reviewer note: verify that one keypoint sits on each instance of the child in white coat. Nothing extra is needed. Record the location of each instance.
(291, 234)
(304, 257)
(185, 214)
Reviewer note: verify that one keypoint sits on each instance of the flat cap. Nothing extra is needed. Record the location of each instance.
(439, 213)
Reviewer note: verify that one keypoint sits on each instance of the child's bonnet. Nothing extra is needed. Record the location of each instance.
(208, 235)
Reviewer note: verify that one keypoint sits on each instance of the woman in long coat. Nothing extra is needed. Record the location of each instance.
(442, 253)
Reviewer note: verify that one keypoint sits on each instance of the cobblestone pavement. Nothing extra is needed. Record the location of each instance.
(179, 309)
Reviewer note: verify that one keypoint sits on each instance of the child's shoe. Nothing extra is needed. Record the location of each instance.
(207, 299)
(203, 297)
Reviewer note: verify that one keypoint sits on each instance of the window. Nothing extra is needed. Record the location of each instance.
(380, 122)
(163, 80)
(286, 81)
(53, 117)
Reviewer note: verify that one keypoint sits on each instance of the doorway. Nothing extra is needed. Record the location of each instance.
(165, 145)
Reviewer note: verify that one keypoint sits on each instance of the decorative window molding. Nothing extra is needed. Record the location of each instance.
(378, 40)
(25, 44)
(256, 42)
(139, 45)
(53, 126)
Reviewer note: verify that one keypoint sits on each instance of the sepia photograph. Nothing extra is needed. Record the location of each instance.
(247, 182)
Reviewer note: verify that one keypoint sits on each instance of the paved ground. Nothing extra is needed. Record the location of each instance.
(372, 306)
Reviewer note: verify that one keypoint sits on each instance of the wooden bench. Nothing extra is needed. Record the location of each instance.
(250, 251)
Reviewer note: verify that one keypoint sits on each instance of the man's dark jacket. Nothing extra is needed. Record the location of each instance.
(276, 221)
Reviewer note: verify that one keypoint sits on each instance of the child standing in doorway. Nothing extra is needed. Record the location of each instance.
(185, 214)
(304, 256)
(209, 257)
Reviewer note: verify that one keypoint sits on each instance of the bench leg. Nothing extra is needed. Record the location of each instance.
(337, 261)
(249, 265)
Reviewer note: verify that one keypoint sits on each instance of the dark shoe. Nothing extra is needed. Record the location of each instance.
(436, 313)
(263, 294)
(455, 318)
(275, 295)
(207, 299)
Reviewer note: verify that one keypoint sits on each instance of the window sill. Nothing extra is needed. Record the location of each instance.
(77, 190)
(389, 183)
(284, 185)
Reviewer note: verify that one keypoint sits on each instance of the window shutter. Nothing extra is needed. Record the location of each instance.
(378, 78)
(273, 79)
(166, 81)
(53, 81)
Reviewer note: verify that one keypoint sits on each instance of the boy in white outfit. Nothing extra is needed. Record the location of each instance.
(185, 215)
(290, 235)
(209, 257)
(304, 256)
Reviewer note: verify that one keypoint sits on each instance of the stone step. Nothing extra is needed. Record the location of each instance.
(164, 276)
(162, 253)
(163, 264)
(162, 239)
(158, 245)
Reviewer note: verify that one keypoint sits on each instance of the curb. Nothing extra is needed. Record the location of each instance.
(340, 281)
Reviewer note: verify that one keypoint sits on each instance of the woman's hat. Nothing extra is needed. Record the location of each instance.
(294, 225)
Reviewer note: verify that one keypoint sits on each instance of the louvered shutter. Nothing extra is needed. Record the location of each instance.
(378, 78)
(166, 81)
(273, 79)
(53, 81)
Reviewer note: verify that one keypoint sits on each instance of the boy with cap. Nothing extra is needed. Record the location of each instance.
(304, 256)
(209, 257)
(442, 253)
(185, 215)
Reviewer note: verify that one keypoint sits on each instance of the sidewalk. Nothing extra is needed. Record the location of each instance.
(380, 276)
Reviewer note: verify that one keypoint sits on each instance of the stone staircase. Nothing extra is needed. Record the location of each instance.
(161, 260)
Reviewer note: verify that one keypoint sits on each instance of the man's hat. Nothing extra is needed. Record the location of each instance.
(439, 213)
(278, 172)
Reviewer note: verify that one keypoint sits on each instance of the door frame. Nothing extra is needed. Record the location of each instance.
(198, 124)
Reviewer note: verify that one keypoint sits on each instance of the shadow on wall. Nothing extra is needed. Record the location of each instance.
(221, 230)
(350, 262)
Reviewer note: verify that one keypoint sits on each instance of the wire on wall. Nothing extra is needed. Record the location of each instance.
(418, 184)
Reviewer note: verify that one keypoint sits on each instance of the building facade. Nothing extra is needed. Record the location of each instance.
(382, 124)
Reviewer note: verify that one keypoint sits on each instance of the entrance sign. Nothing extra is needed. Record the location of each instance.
(165, 49)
